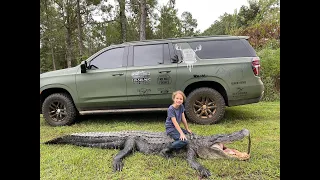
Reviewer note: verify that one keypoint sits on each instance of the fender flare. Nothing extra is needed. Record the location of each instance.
(69, 90)
(208, 78)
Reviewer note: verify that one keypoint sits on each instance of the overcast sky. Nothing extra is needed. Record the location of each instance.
(207, 11)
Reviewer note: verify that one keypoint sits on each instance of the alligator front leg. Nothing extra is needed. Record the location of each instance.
(129, 145)
(191, 154)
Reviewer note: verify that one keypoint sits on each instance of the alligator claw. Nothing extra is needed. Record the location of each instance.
(117, 165)
(204, 172)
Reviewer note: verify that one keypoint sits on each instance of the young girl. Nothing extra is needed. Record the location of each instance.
(174, 118)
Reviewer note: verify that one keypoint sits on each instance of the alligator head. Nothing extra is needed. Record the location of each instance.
(214, 147)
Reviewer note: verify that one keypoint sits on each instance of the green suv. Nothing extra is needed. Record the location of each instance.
(213, 72)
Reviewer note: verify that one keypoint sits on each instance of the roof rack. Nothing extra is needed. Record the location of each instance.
(177, 38)
(188, 37)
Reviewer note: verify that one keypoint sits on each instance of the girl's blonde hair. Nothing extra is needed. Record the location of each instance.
(179, 92)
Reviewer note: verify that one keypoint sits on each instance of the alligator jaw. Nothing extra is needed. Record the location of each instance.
(233, 153)
(219, 150)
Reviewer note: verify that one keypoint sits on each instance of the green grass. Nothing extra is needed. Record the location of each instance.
(72, 162)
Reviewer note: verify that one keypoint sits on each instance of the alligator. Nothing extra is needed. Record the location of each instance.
(206, 147)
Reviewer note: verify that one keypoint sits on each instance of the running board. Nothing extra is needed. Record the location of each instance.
(122, 110)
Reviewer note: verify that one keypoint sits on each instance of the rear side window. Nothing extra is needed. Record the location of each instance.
(148, 55)
(222, 49)
(250, 48)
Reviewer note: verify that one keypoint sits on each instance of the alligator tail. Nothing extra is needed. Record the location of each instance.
(86, 141)
(58, 140)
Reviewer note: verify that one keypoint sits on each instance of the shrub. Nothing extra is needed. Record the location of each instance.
(270, 72)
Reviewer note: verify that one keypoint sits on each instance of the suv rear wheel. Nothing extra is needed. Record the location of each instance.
(205, 106)
(59, 110)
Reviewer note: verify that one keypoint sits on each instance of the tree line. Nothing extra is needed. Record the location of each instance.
(69, 33)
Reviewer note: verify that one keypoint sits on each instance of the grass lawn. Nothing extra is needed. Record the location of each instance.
(72, 162)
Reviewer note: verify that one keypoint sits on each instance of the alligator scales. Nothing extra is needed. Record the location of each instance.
(206, 147)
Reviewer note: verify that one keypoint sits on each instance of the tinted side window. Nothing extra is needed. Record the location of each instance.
(250, 48)
(221, 49)
(148, 55)
(109, 59)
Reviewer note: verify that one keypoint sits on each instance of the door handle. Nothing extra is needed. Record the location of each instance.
(118, 74)
(164, 71)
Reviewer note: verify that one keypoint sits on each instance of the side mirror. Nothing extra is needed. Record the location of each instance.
(83, 66)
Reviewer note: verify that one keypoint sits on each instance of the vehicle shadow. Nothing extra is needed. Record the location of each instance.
(160, 116)
(232, 114)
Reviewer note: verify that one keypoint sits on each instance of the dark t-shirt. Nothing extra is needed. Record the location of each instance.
(173, 112)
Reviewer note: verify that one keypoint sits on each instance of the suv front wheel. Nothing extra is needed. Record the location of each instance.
(205, 106)
(59, 110)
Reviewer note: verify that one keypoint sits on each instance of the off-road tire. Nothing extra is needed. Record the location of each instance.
(65, 101)
(217, 99)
